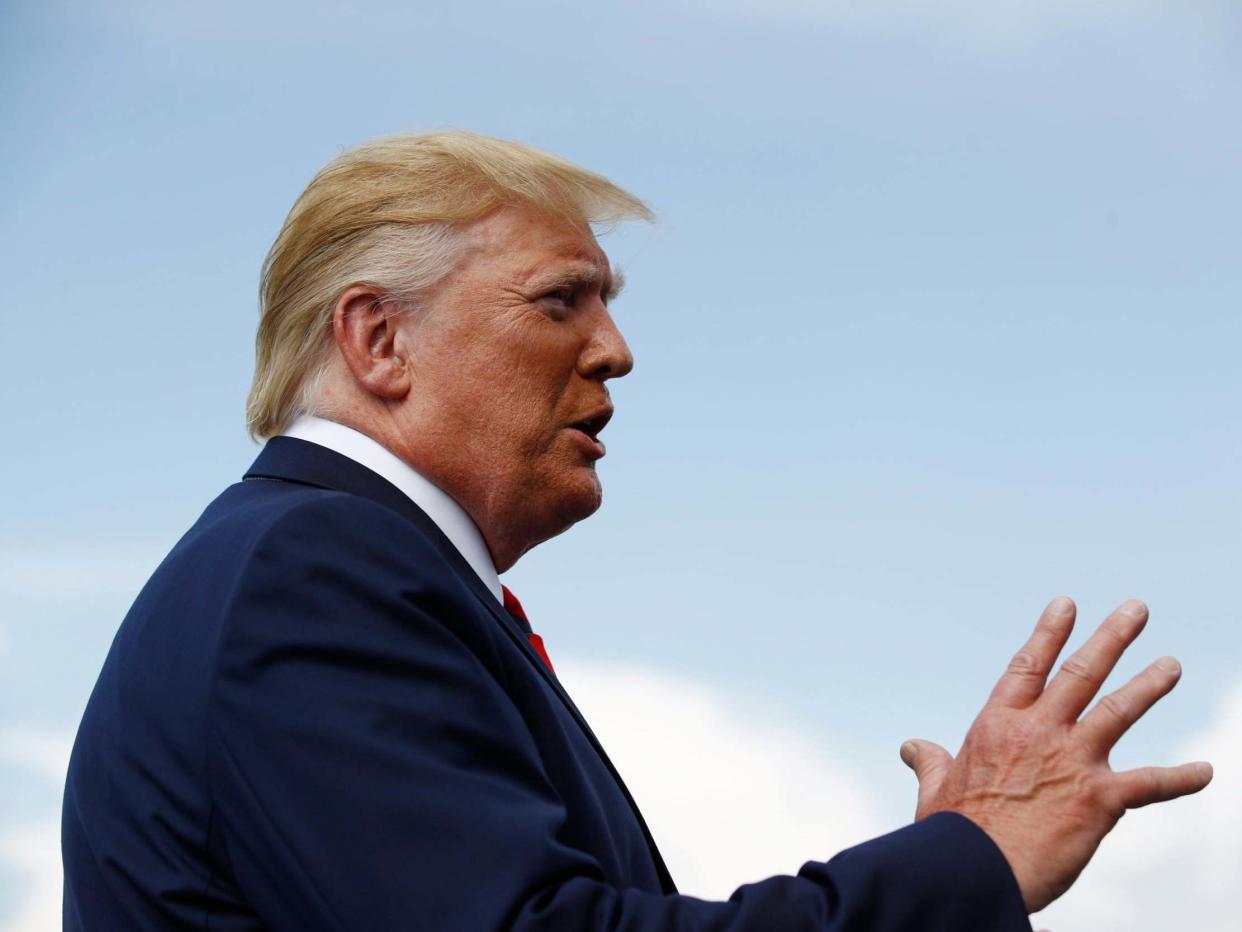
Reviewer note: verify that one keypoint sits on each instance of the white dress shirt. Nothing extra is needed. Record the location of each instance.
(448, 516)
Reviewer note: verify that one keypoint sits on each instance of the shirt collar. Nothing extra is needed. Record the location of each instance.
(448, 516)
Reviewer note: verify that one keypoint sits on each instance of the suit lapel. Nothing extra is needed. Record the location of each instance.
(511, 627)
(293, 460)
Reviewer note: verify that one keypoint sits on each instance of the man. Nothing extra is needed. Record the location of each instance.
(325, 712)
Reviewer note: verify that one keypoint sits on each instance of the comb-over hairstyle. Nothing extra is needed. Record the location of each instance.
(385, 214)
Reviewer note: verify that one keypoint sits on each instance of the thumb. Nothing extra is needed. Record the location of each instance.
(930, 762)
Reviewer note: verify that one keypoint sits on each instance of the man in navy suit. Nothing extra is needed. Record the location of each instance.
(324, 711)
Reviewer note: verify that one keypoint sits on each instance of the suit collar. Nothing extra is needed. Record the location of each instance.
(436, 503)
(296, 460)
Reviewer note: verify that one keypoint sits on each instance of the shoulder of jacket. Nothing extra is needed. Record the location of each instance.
(299, 509)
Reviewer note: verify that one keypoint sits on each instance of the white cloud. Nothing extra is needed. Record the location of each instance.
(44, 752)
(731, 795)
(1171, 866)
(31, 848)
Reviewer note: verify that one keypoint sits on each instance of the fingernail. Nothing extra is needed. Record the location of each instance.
(1134, 608)
(1205, 770)
(1060, 605)
(1169, 665)
(909, 751)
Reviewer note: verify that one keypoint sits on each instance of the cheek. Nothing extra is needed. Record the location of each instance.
(531, 407)
(513, 389)
(493, 396)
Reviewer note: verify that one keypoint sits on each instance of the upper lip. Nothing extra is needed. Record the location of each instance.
(594, 422)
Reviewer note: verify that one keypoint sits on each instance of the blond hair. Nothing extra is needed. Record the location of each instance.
(385, 214)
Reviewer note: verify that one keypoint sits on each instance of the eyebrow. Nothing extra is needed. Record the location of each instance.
(585, 275)
(616, 285)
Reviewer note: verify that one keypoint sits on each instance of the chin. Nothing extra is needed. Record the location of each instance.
(580, 498)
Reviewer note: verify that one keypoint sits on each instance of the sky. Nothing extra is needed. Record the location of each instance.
(938, 320)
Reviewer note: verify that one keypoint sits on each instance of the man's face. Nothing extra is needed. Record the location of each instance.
(510, 354)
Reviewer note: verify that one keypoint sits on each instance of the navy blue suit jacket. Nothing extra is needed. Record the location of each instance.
(316, 716)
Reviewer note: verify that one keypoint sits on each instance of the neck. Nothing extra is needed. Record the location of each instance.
(507, 533)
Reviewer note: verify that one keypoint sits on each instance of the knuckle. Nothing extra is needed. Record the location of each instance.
(1143, 787)
(1077, 667)
(1024, 663)
(1151, 784)
(1116, 707)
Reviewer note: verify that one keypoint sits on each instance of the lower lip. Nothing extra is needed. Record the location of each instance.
(588, 443)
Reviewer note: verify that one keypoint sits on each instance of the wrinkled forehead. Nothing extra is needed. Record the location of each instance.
(524, 245)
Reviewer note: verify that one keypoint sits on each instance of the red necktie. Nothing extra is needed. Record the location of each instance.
(514, 607)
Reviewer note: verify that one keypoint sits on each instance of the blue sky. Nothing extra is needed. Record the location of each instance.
(939, 320)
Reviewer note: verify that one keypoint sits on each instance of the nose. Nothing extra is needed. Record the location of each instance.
(606, 354)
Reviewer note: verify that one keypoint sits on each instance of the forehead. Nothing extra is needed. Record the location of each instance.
(522, 245)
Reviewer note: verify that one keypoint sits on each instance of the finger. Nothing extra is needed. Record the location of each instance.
(1149, 785)
(930, 762)
(1116, 712)
(1080, 677)
(1028, 670)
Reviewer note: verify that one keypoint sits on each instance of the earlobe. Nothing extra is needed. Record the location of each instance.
(365, 331)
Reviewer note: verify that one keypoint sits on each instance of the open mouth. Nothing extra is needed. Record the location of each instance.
(593, 425)
(590, 427)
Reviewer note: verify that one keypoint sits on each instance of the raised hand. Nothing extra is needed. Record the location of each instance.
(1035, 776)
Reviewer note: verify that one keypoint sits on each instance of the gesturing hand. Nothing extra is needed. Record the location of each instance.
(1033, 775)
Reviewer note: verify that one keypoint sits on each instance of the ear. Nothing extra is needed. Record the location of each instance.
(365, 334)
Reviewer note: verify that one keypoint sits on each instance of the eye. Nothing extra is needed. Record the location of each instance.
(558, 302)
